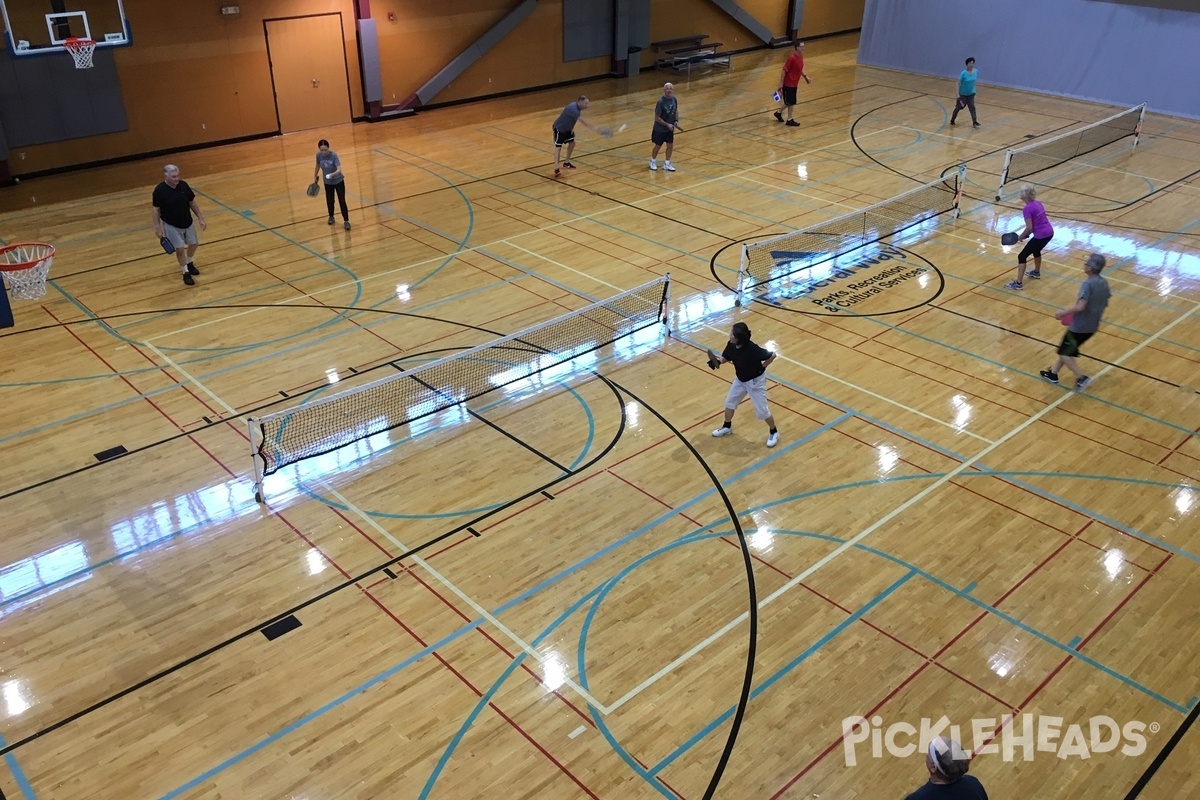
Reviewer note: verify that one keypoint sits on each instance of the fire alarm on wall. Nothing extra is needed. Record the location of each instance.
(230, 10)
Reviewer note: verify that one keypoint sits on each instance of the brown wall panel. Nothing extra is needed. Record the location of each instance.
(194, 76)
(831, 16)
(531, 55)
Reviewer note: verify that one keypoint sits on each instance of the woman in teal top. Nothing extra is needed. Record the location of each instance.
(966, 92)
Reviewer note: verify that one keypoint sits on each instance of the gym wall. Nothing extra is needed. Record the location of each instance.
(1121, 52)
(193, 75)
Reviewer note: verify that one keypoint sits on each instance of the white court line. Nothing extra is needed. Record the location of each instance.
(188, 378)
(478, 609)
(549, 260)
(576, 732)
(900, 509)
(505, 240)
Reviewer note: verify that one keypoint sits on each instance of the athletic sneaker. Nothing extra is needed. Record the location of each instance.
(974, 124)
(667, 166)
(1034, 274)
(568, 165)
(346, 224)
(773, 439)
(1050, 376)
(191, 268)
(1082, 383)
(330, 220)
(1014, 285)
(952, 122)
(558, 173)
(791, 123)
(779, 116)
(653, 164)
(189, 280)
(724, 430)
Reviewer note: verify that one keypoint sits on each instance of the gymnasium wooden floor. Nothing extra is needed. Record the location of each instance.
(565, 611)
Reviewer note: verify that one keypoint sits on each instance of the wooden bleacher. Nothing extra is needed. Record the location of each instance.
(685, 52)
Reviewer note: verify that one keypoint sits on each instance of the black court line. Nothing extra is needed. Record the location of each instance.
(1164, 754)
(1033, 338)
(752, 610)
(168, 671)
(486, 421)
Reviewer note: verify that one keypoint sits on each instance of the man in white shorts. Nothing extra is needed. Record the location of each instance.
(750, 364)
(174, 203)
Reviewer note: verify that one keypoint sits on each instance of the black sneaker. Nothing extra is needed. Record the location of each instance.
(1082, 383)
(568, 165)
(188, 279)
(191, 268)
(1050, 376)
(779, 116)
(952, 122)
(975, 124)
(791, 123)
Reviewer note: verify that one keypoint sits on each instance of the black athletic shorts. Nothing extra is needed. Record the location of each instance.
(563, 137)
(662, 137)
(789, 95)
(1071, 342)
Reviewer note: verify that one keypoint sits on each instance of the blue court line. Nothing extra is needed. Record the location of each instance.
(309, 717)
(810, 651)
(558, 576)
(1074, 642)
(970, 586)
(18, 774)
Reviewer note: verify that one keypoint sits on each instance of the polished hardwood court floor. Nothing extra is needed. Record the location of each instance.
(570, 588)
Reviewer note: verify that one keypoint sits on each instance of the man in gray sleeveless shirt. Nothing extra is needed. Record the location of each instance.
(1083, 320)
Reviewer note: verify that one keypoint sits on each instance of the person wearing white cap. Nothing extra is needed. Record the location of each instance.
(948, 778)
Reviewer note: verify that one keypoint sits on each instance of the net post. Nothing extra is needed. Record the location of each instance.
(743, 275)
(665, 308)
(960, 182)
(1137, 132)
(256, 457)
(1004, 174)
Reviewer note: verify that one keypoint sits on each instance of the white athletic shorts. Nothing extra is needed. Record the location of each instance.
(756, 389)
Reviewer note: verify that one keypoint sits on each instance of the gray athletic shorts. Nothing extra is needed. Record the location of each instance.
(180, 237)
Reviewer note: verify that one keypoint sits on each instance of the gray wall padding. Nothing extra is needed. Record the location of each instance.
(368, 43)
(1121, 53)
(587, 29)
(44, 98)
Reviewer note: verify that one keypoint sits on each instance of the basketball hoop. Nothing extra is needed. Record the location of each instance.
(25, 267)
(81, 50)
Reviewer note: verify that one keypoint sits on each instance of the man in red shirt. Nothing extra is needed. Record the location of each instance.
(789, 79)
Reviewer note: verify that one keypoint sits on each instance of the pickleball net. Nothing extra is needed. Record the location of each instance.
(1021, 162)
(785, 255)
(322, 426)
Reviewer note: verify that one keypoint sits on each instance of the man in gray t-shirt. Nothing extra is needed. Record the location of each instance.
(564, 131)
(666, 115)
(1082, 321)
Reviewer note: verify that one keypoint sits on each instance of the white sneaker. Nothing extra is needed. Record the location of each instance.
(773, 439)
(723, 431)
(653, 165)
(667, 166)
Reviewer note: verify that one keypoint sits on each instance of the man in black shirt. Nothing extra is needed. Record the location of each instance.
(750, 364)
(948, 778)
(174, 203)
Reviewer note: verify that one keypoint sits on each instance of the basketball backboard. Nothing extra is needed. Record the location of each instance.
(37, 28)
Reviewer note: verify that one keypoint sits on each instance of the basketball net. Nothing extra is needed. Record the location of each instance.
(81, 50)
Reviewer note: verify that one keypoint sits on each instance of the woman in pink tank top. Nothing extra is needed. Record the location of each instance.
(1037, 225)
